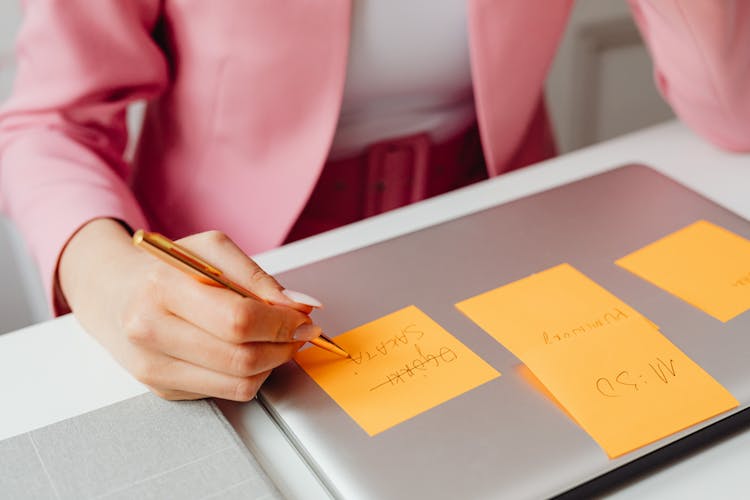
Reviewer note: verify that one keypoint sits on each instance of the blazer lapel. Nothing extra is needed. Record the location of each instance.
(512, 43)
(281, 85)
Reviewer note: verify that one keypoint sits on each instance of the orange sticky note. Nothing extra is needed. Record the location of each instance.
(705, 265)
(618, 377)
(402, 364)
(547, 307)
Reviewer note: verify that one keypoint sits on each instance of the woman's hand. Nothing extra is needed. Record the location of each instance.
(182, 338)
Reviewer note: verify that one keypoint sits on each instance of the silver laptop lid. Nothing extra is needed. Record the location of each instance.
(502, 439)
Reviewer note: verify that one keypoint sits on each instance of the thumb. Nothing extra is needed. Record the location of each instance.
(220, 251)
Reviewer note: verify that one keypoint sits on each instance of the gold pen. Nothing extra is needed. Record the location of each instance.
(182, 258)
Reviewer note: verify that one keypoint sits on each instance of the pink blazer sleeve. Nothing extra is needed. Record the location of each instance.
(63, 130)
(701, 53)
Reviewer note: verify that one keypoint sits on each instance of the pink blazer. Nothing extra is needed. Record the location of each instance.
(244, 97)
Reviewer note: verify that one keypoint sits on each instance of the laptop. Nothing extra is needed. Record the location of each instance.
(502, 438)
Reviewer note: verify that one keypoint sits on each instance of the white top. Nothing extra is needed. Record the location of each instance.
(408, 72)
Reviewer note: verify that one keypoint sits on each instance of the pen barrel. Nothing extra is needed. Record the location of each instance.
(180, 257)
(153, 244)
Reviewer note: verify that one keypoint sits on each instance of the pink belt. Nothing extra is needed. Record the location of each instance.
(389, 175)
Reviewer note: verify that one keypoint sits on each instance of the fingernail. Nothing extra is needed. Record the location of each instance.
(308, 331)
(302, 298)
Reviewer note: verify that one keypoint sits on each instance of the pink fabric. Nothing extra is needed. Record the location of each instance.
(389, 175)
(701, 53)
(245, 96)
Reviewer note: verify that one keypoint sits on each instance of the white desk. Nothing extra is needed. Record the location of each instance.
(53, 371)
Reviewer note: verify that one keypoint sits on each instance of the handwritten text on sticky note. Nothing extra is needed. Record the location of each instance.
(623, 381)
(705, 265)
(402, 364)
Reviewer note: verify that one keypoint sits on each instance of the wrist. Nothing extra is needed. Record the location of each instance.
(96, 249)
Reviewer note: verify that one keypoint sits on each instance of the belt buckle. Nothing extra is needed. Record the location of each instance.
(396, 173)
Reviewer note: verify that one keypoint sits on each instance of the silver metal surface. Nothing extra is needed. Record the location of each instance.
(502, 438)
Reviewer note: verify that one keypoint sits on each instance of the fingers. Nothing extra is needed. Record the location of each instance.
(187, 340)
(219, 250)
(229, 316)
(178, 360)
(176, 379)
(184, 341)
(174, 395)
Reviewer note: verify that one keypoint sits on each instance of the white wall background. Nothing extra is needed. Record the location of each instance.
(600, 86)
(21, 301)
(10, 15)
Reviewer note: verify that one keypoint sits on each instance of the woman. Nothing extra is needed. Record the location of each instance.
(246, 135)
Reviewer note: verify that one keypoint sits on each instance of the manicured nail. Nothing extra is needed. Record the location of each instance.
(308, 331)
(302, 298)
